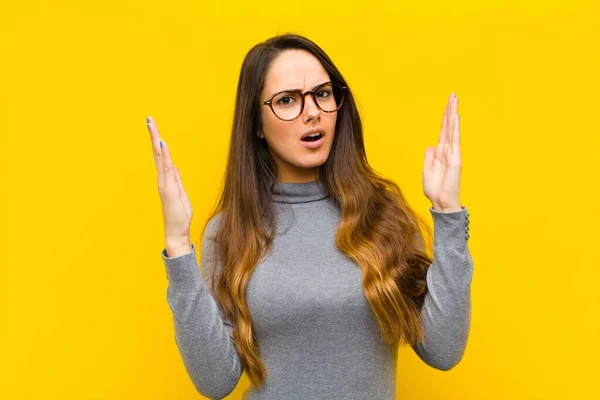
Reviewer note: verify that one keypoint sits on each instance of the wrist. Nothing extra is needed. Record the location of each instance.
(446, 209)
(178, 246)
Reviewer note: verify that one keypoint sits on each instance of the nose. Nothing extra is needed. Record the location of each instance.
(311, 110)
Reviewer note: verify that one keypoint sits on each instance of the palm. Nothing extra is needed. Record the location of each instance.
(441, 171)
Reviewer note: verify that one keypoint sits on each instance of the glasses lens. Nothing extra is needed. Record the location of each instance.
(329, 97)
(287, 105)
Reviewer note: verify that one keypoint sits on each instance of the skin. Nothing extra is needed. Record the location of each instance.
(296, 69)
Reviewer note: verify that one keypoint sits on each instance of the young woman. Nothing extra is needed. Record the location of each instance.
(315, 267)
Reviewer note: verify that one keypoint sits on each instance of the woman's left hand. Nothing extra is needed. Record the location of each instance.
(441, 172)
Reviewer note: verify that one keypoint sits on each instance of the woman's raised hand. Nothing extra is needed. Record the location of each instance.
(176, 207)
(443, 163)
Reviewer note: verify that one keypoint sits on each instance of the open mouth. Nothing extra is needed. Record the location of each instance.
(312, 138)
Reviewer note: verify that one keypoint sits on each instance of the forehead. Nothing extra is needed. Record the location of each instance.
(294, 69)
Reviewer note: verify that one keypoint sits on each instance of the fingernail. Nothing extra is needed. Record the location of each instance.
(161, 144)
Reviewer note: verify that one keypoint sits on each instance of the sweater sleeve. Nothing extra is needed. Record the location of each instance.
(447, 307)
(203, 335)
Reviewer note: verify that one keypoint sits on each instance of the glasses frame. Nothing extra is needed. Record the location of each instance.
(303, 95)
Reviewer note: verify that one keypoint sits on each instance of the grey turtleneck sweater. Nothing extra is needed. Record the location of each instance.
(316, 331)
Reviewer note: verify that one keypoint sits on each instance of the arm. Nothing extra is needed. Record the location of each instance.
(447, 307)
(202, 334)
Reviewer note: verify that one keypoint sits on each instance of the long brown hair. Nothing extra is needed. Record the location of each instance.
(378, 229)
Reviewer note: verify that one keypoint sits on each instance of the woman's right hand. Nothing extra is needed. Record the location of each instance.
(176, 207)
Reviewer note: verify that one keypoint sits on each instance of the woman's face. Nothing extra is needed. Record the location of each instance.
(296, 160)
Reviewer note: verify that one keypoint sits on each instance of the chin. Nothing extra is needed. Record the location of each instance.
(312, 161)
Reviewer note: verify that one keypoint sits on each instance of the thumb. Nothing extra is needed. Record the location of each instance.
(429, 155)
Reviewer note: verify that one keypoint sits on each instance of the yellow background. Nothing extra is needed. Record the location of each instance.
(84, 311)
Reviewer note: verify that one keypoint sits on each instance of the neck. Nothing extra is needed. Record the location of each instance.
(299, 192)
(299, 175)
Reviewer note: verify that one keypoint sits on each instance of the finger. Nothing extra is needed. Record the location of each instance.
(451, 107)
(450, 128)
(448, 114)
(439, 150)
(155, 139)
(168, 174)
(455, 145)
(442, 137)
(451, 118)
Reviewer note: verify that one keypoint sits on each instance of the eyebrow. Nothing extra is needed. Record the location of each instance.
(293, 90)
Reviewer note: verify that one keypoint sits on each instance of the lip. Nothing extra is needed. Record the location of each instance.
(313, 130)
(315, 144)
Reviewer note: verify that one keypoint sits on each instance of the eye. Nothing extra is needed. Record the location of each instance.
(323, 93)
(286, 100)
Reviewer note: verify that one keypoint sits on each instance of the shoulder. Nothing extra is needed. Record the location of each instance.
(210, 234)
(212, 225)
(209, 253)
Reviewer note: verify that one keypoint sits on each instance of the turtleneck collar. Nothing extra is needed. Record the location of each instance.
(298, 192)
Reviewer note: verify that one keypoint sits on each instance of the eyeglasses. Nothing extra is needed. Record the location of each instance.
(287, 105)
